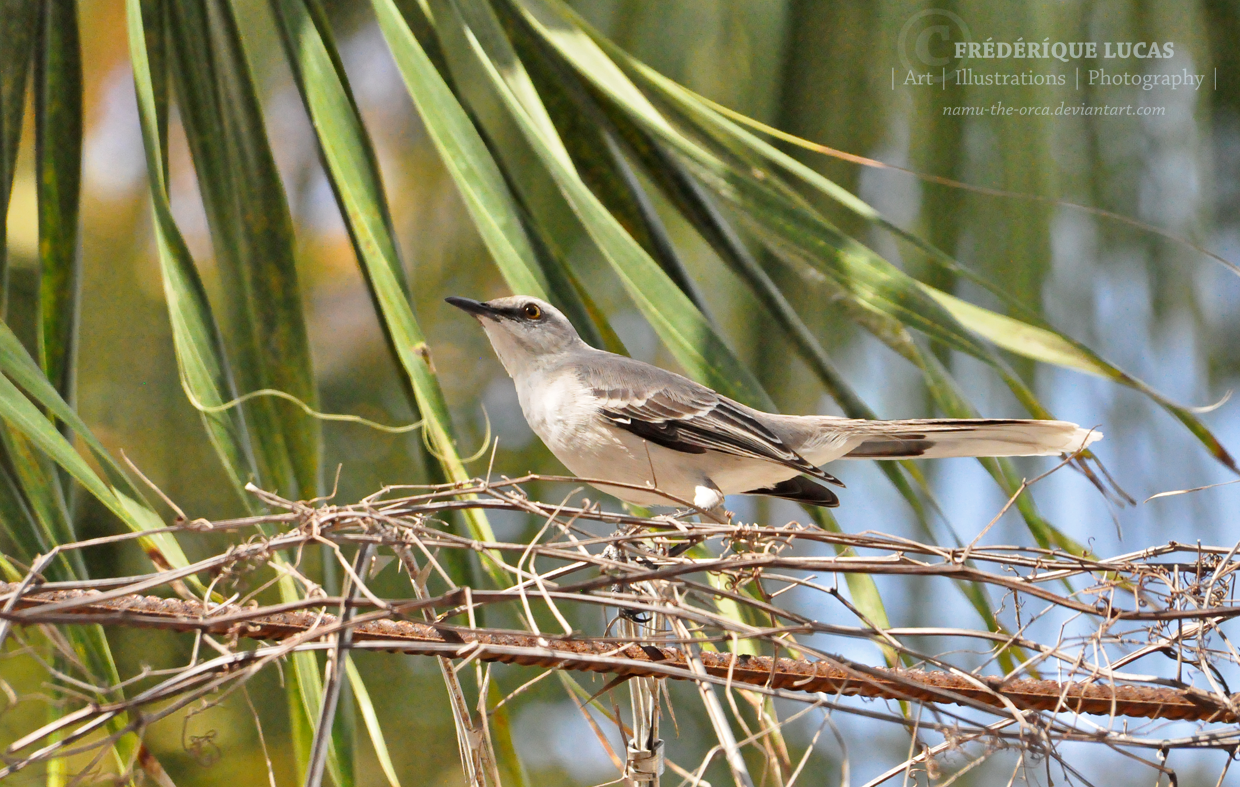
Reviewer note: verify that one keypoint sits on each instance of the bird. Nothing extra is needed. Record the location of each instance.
(662, 439)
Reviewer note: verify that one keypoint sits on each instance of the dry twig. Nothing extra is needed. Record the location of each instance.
(1164, 608)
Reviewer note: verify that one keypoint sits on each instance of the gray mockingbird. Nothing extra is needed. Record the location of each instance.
(612, 418)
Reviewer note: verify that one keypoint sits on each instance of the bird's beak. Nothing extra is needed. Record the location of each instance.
(476, 308)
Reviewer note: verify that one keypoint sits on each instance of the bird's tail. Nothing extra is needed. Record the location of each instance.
(945, 437)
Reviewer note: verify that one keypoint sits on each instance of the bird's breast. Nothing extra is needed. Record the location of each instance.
(559, 409)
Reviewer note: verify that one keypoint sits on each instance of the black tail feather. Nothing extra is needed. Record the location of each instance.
(800, 490)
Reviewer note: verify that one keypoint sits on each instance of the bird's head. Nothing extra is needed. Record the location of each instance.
(526, 332)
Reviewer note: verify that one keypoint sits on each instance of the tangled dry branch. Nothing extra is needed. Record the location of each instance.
(701, 602)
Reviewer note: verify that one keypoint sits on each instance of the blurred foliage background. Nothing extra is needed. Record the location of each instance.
(831, 72)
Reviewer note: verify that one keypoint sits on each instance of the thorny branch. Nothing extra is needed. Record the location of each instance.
(735, 612)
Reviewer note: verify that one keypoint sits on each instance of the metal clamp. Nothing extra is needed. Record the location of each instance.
(644, 765)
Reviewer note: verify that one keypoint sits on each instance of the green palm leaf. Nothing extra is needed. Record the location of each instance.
(58, 150)
(252, 235)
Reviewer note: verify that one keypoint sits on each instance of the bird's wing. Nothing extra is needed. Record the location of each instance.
(677, 413)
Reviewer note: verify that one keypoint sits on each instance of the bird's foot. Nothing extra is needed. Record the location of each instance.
(676, 519)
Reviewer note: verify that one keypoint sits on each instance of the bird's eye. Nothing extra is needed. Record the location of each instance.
(532, 311)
